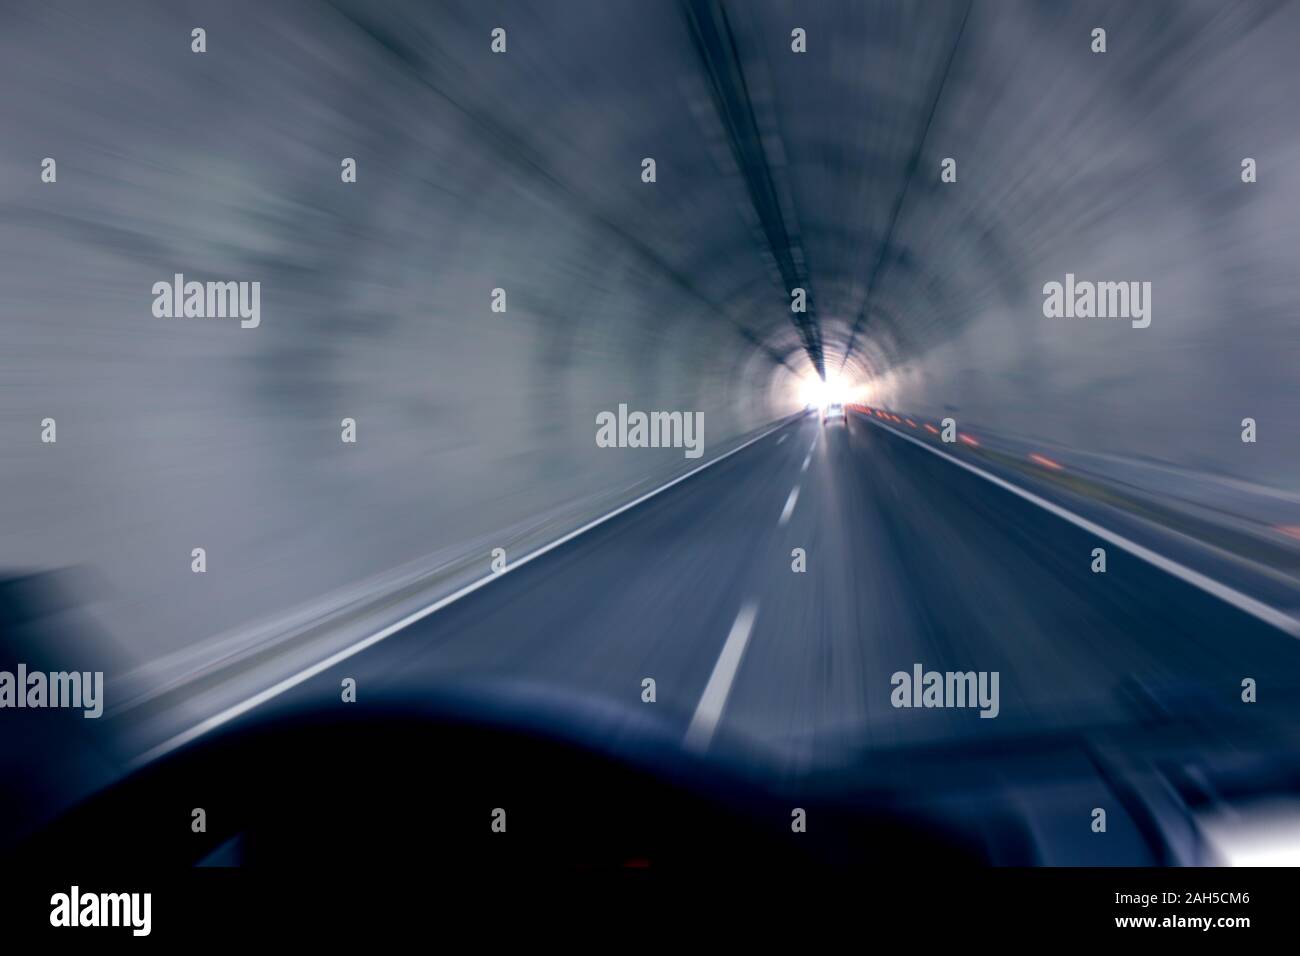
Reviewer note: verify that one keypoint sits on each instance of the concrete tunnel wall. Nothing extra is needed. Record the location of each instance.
(375, 299)
(1122, 166)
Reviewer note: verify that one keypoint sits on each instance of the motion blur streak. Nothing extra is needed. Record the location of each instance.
(476, 428)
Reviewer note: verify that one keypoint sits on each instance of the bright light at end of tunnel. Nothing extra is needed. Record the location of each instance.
(813, 391)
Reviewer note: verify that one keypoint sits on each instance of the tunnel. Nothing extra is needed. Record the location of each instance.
(477, 226)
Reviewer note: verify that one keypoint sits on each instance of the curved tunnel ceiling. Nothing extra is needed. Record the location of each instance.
(775, 171)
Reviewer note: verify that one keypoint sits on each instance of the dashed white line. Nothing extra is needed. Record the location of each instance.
(789, 506)
(806, 459)
(782, 438)
(709, 711)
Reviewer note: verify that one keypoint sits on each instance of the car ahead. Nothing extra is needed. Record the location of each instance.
(834, 412)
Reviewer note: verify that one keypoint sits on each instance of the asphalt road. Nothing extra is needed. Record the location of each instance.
(910, 560)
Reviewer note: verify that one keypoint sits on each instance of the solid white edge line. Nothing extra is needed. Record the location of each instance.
(709, 710)
(288, 683)
(1242, 602)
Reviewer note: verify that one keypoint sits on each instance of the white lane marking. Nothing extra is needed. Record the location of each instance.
(806, 459)
(1242, 602)
(714, 699)
(275, 690)
(782, 438)
(789, 506)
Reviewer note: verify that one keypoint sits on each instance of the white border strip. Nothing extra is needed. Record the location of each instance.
(1242, 602)
(275, 690)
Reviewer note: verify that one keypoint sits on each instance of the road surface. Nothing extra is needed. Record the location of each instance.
(909, 560)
